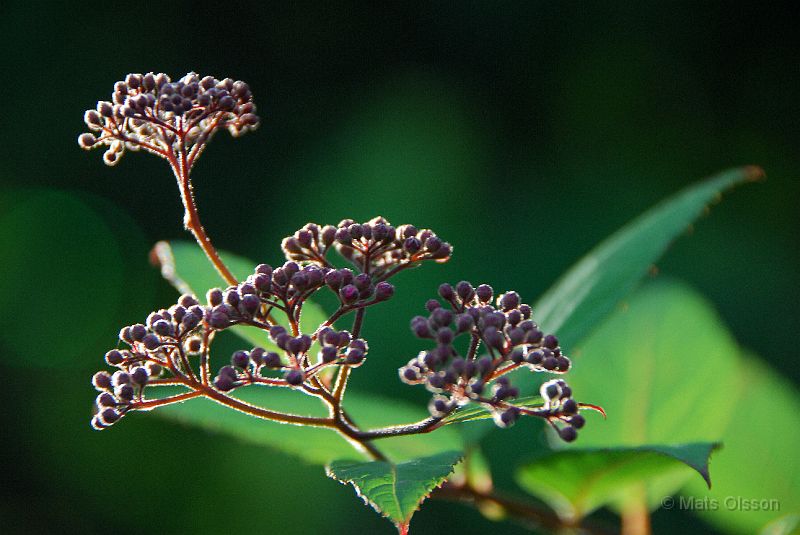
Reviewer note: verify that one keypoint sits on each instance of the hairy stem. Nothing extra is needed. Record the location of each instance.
(191, 219)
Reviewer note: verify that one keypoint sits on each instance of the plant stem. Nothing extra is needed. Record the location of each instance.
(636, 515)
(522, 511)
(191, 219)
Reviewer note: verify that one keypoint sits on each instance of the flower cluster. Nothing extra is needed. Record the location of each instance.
(499, 333)
(164, 341)
(151, 112)
(510, 339)
(375, 247)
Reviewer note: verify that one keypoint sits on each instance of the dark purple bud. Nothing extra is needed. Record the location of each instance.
(250, 303)
(464, 322)
(533, 336)
(138, 332)
(163, 328)
(262, 282)
(276, 331)
(444, 336)
(443, 253)
(151, 342)
(101, 381)
(508, 301)
(569, 407)
(493, 338)
(300, 281)
(562, 363)
(218, 319)
(124, 393)
(420, 327)
(224, 382)
(295, 345)
(295, 377)
(272, 360)
(525, 310)
(383, 291)
(327, 235)
(484, 365)
(410, 374)
(214, 297)
(348, 294)
(441, 317)
(412, 245)
(105, 400)
(516, 336)
(433, 244)
(577, 421)
(140, 376)
(227, 103)
(328, 354)
(568, 434)
(514, 317)
(356, 231)
(114, 357)
(232, 297)
(362, 281)
(484, 293)
(240, 359)
(465, 290)
(257, 355)
(432, 304)
(334, 279)
(354, 356)
(446, 292)
(549, 363)
(550, 342)
(436, 381)
(516, 356)
(535, 357)
(264, 269)
(108, 416)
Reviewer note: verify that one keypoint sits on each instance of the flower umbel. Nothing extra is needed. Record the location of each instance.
(150, 112)
(510, 339)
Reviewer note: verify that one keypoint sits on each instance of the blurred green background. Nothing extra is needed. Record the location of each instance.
(522, 132)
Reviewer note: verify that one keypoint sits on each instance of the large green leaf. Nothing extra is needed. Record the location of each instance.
(314, 445)
(186, 267)
(586, 293)
(757, 474)
(576, 482)
(663, 368)
(396, 490)
(590, 289)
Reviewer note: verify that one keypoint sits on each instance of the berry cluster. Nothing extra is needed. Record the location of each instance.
(375, 247)
(164, 341)
(150, 112)
(510, 339)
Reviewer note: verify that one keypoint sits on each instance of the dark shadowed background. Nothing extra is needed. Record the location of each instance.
(521, 132)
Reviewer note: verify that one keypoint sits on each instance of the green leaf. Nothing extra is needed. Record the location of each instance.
(575, 482)
(757, 474)
(586, 293)
(186, 267)
(472, 412)
(785, 525)
(395, 490)
(663, 368)
(311, 444)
